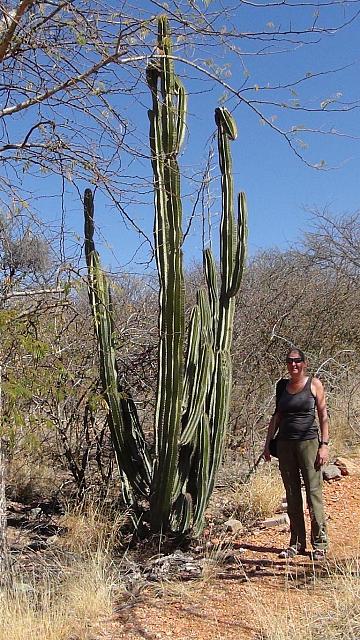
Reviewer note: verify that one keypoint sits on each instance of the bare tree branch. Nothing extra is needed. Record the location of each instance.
(10, 22)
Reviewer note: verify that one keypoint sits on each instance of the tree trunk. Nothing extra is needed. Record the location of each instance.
(3, 522)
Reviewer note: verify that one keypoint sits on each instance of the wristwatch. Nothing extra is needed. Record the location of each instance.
(323, 442)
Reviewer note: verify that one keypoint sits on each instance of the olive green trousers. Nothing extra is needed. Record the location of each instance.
(296, 460)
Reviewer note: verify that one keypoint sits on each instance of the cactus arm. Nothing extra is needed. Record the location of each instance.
(232, 257)
(240, 255)
(202, 480)
(180, 114)
(226, 131)
(205, 435)
(212, 287)
(200, 388)
(130, 449)
(202, 364)
(218, 414)
(206, 317)
(192, 355)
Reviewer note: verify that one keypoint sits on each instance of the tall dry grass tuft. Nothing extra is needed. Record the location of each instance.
(330, 612)
(90, 529)
(68, 606)
(74, 594)
(87, 592)
(260, 497)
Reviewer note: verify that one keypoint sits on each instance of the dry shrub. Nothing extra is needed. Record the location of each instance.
(62, 608)
(344, 422)
(260, 497)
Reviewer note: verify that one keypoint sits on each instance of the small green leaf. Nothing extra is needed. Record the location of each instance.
(80, 39)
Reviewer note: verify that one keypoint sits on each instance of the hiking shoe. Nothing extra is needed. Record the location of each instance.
(318, 555)
(291, 552)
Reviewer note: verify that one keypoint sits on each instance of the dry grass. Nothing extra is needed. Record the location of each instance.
(63, 608)
(28, 480)
(331, 611)
(260, 497)
(90, 529)
(75, 591)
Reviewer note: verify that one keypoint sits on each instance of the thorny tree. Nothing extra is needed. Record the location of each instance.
(27, 291)
(334, 242)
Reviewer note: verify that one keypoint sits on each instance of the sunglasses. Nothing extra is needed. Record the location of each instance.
(294, 360)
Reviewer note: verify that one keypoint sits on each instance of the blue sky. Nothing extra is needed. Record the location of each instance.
(281, 188)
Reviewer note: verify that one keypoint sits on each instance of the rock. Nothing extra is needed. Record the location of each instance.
(233, 525)
(331, 472)
(347, 467)
(275, 522)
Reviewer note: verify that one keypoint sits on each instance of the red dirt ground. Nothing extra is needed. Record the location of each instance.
(230, 603)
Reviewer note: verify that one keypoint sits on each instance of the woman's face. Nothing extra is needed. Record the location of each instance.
(295, 364)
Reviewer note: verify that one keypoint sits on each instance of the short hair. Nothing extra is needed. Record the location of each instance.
(301, 353)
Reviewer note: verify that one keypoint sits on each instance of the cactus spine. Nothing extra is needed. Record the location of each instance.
(193, 394)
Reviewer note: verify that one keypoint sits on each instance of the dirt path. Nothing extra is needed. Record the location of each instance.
(233, 603)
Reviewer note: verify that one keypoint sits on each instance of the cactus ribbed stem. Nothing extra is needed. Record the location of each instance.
(166, 133)
(193, 395)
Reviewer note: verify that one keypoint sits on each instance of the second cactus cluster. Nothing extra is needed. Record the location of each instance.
(193, 391)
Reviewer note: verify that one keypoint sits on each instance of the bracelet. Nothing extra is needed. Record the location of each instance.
(323, 442)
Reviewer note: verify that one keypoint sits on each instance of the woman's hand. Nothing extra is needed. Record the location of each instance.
(266, 453)
(322, 456)
(270, 434)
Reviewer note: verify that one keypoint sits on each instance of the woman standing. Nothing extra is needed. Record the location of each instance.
(302, 451)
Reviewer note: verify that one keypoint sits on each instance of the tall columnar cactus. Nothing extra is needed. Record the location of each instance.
(193, 392)
(167, 126)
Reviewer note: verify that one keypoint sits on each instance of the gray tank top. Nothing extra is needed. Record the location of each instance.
(297, 414)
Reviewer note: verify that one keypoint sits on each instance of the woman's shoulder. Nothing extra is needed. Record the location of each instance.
(316, 385)
(281, 384)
